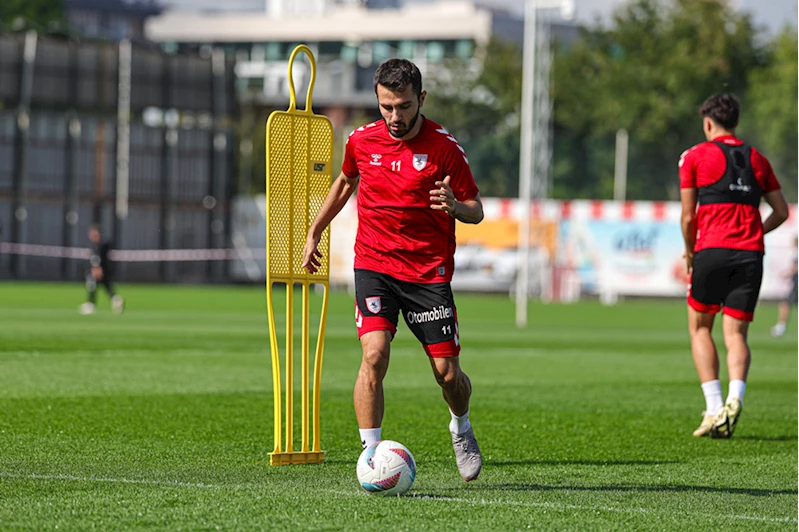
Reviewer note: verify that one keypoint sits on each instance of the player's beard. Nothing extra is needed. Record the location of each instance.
(403, 131)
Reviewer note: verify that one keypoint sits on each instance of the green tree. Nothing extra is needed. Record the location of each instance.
(480, 107)
(648, 74)
(43, 15)
(771, 117)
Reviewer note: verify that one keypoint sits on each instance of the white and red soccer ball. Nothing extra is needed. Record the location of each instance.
(386, 468)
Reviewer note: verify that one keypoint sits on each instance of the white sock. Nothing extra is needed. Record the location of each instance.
(712, 391)
(369, 436)
(737, 389)
(459, 424)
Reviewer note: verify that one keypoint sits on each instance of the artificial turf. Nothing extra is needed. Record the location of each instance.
(162, 418)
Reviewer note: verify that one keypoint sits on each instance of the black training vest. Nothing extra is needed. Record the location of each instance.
(738, 184)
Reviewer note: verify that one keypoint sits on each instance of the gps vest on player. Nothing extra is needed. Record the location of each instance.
(738, 184)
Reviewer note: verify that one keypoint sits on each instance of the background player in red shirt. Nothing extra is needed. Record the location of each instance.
(722, 182)
(414, 182)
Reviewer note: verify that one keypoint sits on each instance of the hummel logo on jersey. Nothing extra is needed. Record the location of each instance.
(453, 139)
(376, 159)
(419, 160)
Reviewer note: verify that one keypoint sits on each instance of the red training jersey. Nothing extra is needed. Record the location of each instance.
(725, 225)
(398, 233)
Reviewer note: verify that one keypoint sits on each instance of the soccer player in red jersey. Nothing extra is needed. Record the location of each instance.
(721, 184)
(414, 182)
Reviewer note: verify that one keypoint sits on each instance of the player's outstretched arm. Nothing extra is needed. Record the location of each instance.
(779, 210)
(468, 211)
(340, 191)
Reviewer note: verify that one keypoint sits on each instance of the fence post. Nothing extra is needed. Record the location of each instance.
(69, 221)
(121, 181)
(219, 149)
(19, 209)
(168, 168)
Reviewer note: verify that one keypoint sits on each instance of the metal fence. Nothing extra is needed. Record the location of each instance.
(139, 141)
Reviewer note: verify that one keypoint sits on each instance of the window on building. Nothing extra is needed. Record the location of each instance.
(435, 51)
(121, 28)
(381, 50)
(464, 49)
(331, 49)
(405, 49)
(349, 53)
(272, 51)
(257, 52)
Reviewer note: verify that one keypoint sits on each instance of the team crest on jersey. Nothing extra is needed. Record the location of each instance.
(419, 160)
(373, 304)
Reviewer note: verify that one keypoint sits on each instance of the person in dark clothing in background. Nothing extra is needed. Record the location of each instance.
(100, 270)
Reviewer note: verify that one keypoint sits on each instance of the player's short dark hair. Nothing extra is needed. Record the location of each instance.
(723, 108)
(396, 74)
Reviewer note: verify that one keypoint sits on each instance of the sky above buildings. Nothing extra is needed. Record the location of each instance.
(772, 15)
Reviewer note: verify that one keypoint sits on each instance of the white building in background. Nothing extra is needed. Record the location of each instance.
(349, 39)
(289, 8)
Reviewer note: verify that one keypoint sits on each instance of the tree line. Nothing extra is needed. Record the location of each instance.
(647, 72)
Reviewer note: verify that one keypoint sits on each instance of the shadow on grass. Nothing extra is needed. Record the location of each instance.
(767, 438)
(514, 463)
(516, 487)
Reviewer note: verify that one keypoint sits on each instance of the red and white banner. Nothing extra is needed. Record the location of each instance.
(583, 246)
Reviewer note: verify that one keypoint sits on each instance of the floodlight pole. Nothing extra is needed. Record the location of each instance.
(528, 144)
(526, 161)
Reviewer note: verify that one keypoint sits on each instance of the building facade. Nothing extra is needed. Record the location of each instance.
(349, 39)
(110, 20)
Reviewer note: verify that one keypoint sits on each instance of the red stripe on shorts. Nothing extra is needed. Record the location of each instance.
(739, 314)
(702, 307)
(442, 349)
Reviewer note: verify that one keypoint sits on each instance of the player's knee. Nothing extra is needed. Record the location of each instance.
(735, 339)
(374, 359)
(451, 377)
(700, 333)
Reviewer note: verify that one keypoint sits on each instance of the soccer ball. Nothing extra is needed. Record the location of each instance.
(386, 468)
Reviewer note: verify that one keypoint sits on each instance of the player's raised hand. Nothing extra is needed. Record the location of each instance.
(311, 254)
(442, 198)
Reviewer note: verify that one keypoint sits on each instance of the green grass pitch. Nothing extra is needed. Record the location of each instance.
(162, 418)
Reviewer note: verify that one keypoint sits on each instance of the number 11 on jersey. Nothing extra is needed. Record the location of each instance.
(395, 165)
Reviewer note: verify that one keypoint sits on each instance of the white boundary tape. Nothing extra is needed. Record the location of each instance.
(134, 255)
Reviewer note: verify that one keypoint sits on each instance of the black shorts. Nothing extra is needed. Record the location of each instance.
(728, 278)
(428, 309)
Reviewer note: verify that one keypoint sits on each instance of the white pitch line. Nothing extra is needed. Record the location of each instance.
(564, 506)
(499, 502)
(110, 480)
